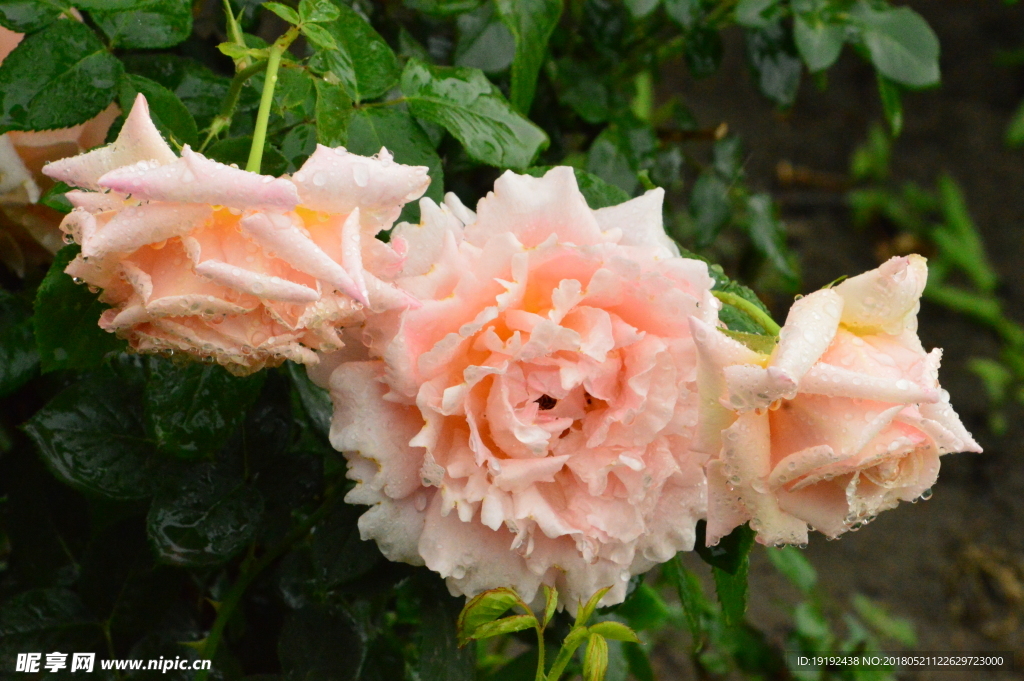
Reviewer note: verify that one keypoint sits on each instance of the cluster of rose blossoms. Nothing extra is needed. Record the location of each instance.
(532, 393)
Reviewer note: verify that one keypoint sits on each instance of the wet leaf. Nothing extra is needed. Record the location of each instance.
(168, 112)
(902, 45)
(19, 360)
(151, 25)
(531, 23)
(794, 566)
(321, 643)
(483, 609)
(776, 65)
(56, 78)
(468, 106)
(363, 61)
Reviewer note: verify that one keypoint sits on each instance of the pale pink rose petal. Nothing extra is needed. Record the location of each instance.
(809, 329)
(640, 222)
(885, 299)
(137, 226)
(255, 283)
(138, 141)
(833, 381)
(95, 202)
(196, 179)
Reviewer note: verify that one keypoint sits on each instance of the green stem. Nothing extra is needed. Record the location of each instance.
(227, 110)
(540, 654)
(259, 135)
(249, 572)
(569, 646)
(751, 310)
(235, 32)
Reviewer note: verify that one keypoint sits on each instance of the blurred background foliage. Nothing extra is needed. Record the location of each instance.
(150, 506)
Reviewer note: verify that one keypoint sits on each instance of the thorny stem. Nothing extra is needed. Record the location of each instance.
(540, 653)
(250, 571)
(227, 111)
(751, 310)
(259, 135)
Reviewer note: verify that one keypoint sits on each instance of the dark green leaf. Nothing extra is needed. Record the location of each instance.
(443, 7)
(27, 16)
(372, 128)
(597, 192)
(775, 63)
(584, 91)
(889, 92)
(485, 43)
(201, 90)
(163, 23)
(483, 609)
(295, 95)
(531, 23)
(791, 562)
(609, 159)
(728, 157)
(757, 13)
(66, 321)
(19, 359)
(691, 597)
(319, 36)
(333, 111)
(54, 198)
(703, 51)
(236, 150)
(639, 663)
(1015, 130)
(818, 42)
(363, 62)
(441, 657)
(468, 106)
(91, 436)
(283, 11)
(505, 625)
(192, 408)
(730, 552)
(315, 400)
(166, 110)
(767, 233)
(318, 11)
(902, 45)
(321, 643)
(709, 206)
(56, 78)
(44, 620)
(337, 552)
(205, 518)
(643, 609)
(298, 144)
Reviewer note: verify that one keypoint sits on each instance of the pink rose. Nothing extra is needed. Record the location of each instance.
(841, 422)
(22, 156)
(247, 269)
(531, 422)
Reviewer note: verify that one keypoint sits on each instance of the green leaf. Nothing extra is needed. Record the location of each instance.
(902, 45)
(483, 609)
(818, 42)
(1015, 130)
(201, 90)
(641, 8)
(703, 51)
(757, 13)
(755, 341)
(531, 23)
(775, 63)
(56, 78)
(595, 660)
(609, 159)
(442, 658)
(878, 617)
(44, 620)
(236, 150)
(616, 631)
(644, 609)
(587, 610)
(730, 552)
(154, 25)
(362, 62)
(321, 643)
(333, 111)
(27, 16)
(732, 592)
(92, 437)
(889, 92)
(468, 106)
(505, 625)
(317, 11)
(709, 206)
(768, 234)
(550, 603)
(597, 192)
(166, 110)
(54, 198)
(205, 517)
(19, 359)
(691, 597)
(684, 12)
(66, 321)
(485, 43)
(319, 36)
(639, 663)
(298, 144)
(338, 553)
(811, 624)
(583, 90)
(443, 8)
(794, 566)
(370, 129)
(315, 400)
(193, 408)
(283, 11)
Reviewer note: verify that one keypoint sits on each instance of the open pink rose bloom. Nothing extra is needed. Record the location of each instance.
(531, 422)
(246, 269)
(843, 420)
